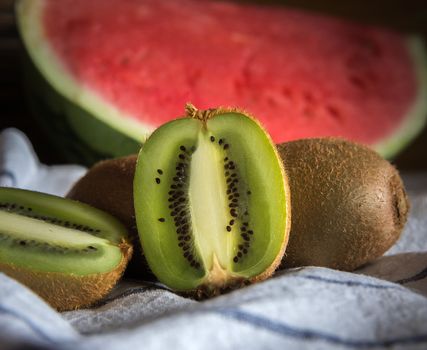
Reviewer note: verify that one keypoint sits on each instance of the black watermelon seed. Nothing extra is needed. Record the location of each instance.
(212, 139)
(160, 171)
(228, 228)
(220, 141)
(226, 146)
(162, 219)
(235, 259)
(182, 148)
(157, 180)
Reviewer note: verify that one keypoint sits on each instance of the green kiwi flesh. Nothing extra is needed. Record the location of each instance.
(47, 236)
(211, 201)
(349, 205)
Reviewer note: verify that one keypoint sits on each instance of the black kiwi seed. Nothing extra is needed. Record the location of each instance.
(182, 148)
(231, 222)
(181, 156)
(249, 192)
(235, 259)
(220, 141)
(160, 171)
(157, 180)
(251, 232)
(212, 139)
(226, 146)
(228, 228)
(162, 219)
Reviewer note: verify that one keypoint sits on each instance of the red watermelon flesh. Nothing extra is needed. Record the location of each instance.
(302, 75)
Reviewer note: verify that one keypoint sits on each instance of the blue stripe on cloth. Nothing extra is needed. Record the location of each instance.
(417, 277)
(350, 283)
(307, 334)
(10, 175)
(32, 325)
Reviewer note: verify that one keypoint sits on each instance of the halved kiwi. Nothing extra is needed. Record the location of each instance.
(211, 201)
(68, 252)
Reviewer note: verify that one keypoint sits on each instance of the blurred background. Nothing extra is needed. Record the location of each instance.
(402, 15)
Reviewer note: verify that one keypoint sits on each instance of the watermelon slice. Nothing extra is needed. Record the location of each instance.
(104, 74)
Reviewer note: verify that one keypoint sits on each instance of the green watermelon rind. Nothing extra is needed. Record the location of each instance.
(80, 123)
(119, 134)
(77, 135)
(416, 117)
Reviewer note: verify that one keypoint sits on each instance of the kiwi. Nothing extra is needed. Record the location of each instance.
(108, 186)
(211, 202)
(348, 204)
(67, 252)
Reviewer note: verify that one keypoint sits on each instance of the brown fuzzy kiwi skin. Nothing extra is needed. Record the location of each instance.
(67, 292)
(349, 205)
(108, 186)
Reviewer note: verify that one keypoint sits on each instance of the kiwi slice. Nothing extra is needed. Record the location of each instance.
(349, 205)
(68, 252)
(211, 201)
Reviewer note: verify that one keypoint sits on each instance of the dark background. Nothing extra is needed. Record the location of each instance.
(403, 15)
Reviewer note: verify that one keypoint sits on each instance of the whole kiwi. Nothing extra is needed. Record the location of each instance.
(108, 186)
(348, 203)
